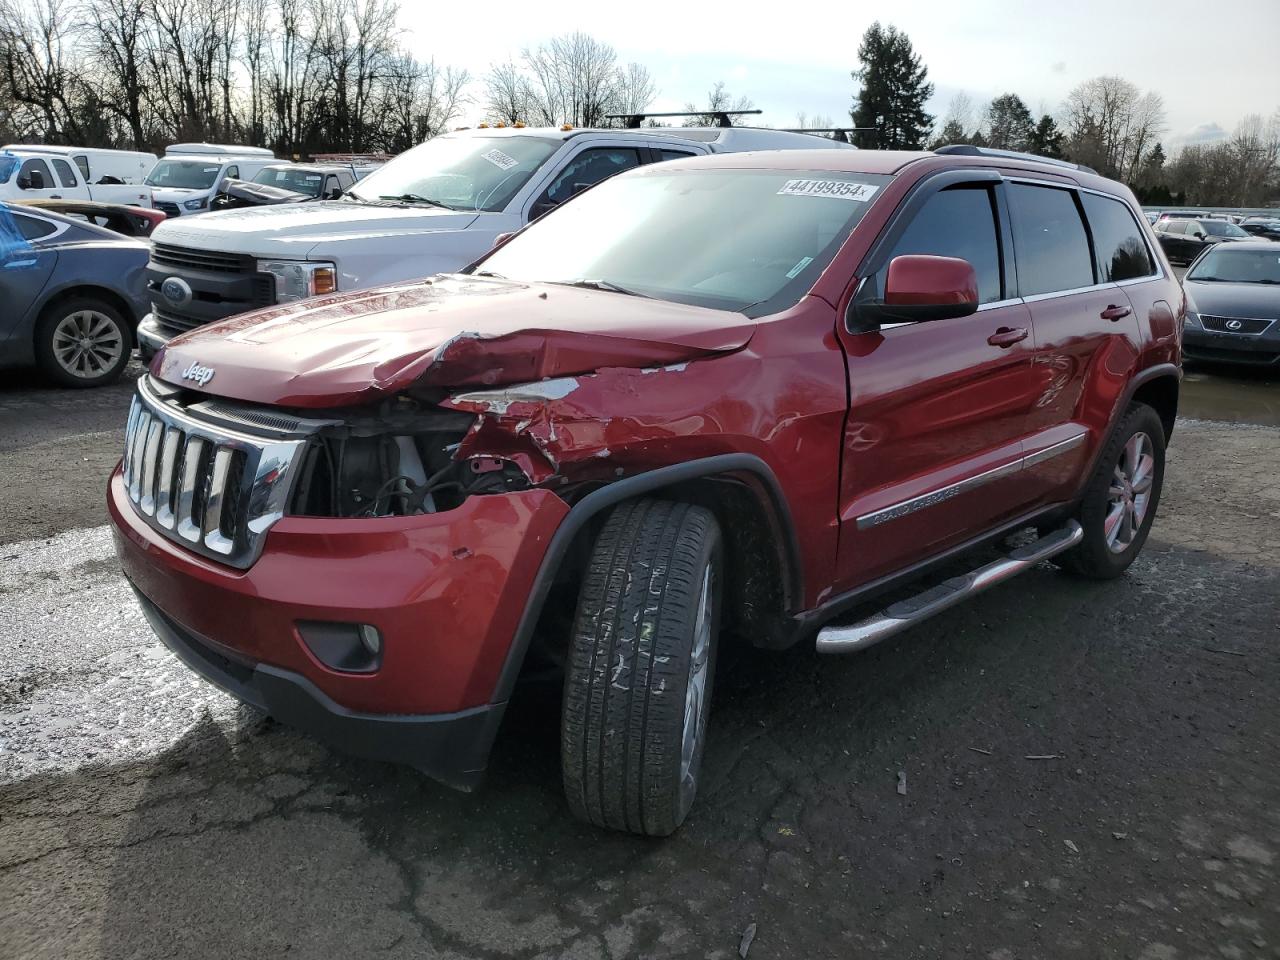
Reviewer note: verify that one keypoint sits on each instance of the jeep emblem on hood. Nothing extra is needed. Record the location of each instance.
(199, 374)
(176, 290)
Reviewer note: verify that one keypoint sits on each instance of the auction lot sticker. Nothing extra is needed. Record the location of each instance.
(841, 189)
(500, 159)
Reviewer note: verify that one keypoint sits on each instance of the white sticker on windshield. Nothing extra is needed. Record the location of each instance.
(315, 176)
(795, 271)
(841, 189)
(499, 159)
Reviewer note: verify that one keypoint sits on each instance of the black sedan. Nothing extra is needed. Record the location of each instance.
(1233, 314)
(1184, 240)
(1265, 228)
(72, 294)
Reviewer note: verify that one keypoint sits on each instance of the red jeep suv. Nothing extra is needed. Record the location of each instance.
(735, 396)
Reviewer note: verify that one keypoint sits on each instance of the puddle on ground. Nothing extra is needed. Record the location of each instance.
(1234, 396)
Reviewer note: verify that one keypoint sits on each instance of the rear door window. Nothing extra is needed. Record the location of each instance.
(958, 222)
(675, 154)
(1049, 240)
(1122, 253)
(33, 228)
(67, 178)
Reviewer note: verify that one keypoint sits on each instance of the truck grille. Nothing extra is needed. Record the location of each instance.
(1246, 325)
(211, 489)
(167, 208)
(170, 256)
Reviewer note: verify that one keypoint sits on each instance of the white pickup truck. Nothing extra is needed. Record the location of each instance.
(35, 173)
(433, 209)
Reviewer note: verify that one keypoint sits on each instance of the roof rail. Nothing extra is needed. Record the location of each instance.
(632, 120)
(838, 134)
(969, 150)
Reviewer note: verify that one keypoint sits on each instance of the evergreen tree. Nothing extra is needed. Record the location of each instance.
(952, 132)
(1046, 139)
(894, 90)
(1009, 123)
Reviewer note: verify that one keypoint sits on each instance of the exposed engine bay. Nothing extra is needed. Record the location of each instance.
(400, 462)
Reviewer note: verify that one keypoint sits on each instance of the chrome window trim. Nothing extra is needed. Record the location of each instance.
(1093, 287)
(934, 497)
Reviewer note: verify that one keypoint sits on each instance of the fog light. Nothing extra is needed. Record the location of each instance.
(349, 647)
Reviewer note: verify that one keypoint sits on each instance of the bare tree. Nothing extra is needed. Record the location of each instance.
(636, 89)
(718, 100)
(116, 34)
(1110, 124)
(40, 69)
(573, 79)
(507, 98)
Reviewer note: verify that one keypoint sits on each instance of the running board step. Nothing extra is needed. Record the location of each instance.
(913, 610)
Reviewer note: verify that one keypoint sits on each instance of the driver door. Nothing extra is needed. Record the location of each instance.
(584, 169)
(938, 409)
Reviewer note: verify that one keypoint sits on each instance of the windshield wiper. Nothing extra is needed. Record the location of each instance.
(489, 273)
(417, 198)
(606, 285)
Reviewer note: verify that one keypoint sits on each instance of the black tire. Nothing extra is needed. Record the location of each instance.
(629, 667)
(115, 338)
(1094, 556)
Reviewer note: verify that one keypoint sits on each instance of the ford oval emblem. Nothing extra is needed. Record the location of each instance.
(176, 290)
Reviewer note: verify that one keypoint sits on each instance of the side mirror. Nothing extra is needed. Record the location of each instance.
(32, 181)
(1199, 234)
(501, 238)
(541, 207)
(919, 288)
(334, 194)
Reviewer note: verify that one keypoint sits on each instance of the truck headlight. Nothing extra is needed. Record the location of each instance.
(298, 279)
(197, 204)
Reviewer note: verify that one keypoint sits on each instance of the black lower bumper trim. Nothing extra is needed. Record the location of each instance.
(450, 747)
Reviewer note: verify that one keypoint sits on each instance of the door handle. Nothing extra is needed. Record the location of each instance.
(1007, 336)
(55, 196)
(1114, 313)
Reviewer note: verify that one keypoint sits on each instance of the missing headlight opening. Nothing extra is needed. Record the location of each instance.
(399, 464)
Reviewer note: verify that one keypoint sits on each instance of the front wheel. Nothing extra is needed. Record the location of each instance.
(1120, 501)
(640, 667)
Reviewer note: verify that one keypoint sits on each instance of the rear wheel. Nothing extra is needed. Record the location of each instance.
(1119, 504)
(83, 342)
(640, 667)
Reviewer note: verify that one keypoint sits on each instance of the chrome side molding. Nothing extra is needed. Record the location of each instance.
(907, 613)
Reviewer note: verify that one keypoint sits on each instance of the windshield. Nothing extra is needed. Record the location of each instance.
(299, 181)
(188, 174)
(465, 173)
(1238, 266)
(729, 239)
(1220, 228)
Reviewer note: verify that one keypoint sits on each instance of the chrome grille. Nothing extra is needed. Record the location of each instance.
(168, 255)
(1248, 326)
(213, 490)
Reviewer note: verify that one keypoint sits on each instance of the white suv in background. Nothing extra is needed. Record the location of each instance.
(433, 209)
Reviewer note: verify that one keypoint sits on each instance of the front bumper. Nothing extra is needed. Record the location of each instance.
(151, 336)
(1253, 350)
(445, 591)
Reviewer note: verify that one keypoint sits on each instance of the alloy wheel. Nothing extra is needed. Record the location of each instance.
(1129, 495)
(87, 344)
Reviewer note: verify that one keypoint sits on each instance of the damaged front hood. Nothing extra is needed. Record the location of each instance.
(453, 331)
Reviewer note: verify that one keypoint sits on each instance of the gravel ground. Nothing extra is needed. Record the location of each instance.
(1091, 769)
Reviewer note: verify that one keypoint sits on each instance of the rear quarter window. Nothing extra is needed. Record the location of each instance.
(1122, 253)
(1051, 248)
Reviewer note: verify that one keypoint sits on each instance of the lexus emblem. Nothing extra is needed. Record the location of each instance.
(1234, 325)
(176, 290)
(197, 373)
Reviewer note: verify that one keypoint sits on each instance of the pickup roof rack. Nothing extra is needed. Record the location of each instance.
(969, 150)
(632, 121)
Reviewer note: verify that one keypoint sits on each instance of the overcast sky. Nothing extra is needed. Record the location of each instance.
(1213, 61)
